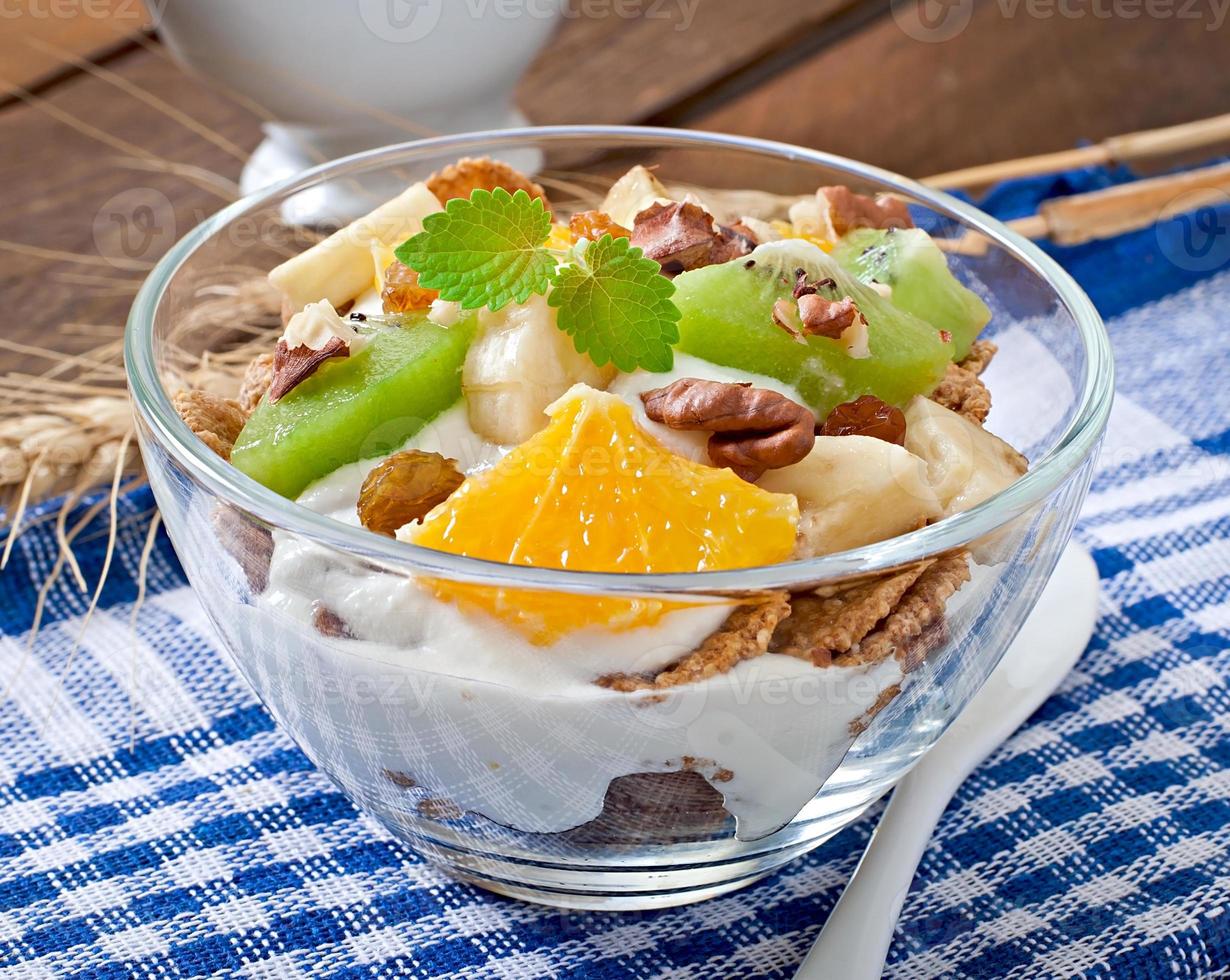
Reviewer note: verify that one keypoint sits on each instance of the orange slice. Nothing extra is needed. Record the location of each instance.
(595, 492)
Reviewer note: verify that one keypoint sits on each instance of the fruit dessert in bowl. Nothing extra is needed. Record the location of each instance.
(615, 532)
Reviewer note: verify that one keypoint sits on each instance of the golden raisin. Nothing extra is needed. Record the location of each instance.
(404, 487)
(866, 416)
(594, 224)
(402, 292)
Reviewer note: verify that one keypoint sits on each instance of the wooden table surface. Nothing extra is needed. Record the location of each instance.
(89, 103)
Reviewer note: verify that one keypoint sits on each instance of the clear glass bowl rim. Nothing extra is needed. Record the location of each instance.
(1045, 475)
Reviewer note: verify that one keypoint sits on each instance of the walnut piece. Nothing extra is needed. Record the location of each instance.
(828, 318)
(681, 236)
(754, 429)
(256, 381)
(216, 421)
(294, 365)
(847, 210)
(404, 487)
(329, 623)
(249, 543)
(745, 634)
(470, 174)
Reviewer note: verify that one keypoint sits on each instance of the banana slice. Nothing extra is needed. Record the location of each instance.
(340, 268)
(853, 491)
(633, 193)
(966, 464)
(519, 364)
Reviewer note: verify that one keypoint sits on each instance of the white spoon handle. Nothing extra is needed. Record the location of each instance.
(857, 933)
(855, 939)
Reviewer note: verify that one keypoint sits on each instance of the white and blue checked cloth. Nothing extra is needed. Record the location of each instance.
(1096, 842)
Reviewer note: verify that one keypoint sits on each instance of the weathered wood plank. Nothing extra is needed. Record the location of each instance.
(1004, 87)
(39, 35)
(617, 68)
(66, 191)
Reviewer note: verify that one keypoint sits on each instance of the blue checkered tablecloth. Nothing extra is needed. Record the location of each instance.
(182, 835)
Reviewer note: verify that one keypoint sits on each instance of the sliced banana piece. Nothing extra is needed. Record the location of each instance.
(853, 491)
(633, 193)
(966, 464)
(340, 268)
(520, 363)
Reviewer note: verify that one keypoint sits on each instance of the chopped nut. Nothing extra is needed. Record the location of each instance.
(256, 381)
(745, 634)
(404, 487)
(676, 236)
(402, 293)
(439, 808)
(754, 429)
(847, 210)
(249, 543)
(293, 366)
(867, 415)
(682, 235)
(594, 224)
(786, 316)
(963, 392)
(217, 421)
(328, 623)
(401, 780)
(469, 174)
(828, 318)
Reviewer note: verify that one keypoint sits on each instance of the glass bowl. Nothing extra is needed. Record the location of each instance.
(514, 775)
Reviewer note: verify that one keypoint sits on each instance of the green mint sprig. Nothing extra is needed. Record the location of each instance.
(616, 305)
(490, 250)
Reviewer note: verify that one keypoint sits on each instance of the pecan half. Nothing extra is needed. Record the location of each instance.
(848, 210)
(681, 236)
(293, 366)
(754, 429)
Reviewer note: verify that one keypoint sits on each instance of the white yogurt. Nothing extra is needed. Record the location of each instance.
(521, 733)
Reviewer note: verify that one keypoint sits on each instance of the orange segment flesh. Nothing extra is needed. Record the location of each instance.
(594, 492)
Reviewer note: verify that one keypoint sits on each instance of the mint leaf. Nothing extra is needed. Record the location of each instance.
(616, 305)
(485, 251)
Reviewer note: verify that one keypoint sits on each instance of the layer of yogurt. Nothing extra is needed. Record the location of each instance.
(521, 733)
